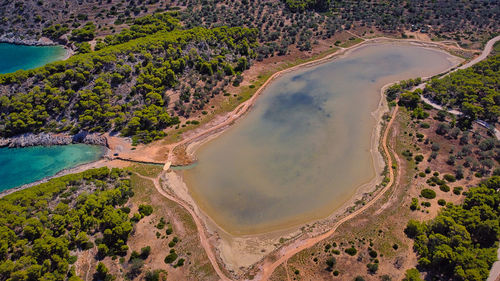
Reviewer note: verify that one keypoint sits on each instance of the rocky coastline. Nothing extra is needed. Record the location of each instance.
(45, 139)
(13, 39)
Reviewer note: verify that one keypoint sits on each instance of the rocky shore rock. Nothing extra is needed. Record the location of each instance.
(45, 139)
(14, 39)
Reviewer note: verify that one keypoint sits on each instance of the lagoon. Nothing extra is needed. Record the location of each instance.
(14, 57)
(20, 166)
(307, 146)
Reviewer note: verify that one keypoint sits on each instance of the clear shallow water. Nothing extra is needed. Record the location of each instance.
(305, 147)
(14, 57)
(20, 166)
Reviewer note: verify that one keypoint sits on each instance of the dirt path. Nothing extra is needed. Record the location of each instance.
(287, 253)
(201, 231)
(484, 54)
(286, 269)
(486, 51)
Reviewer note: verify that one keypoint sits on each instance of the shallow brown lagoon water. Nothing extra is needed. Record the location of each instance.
(304, 149)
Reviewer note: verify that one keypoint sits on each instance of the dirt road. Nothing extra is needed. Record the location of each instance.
(201, 231)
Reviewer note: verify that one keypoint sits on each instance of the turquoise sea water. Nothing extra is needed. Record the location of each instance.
(20, 166)
(14, 57)
(25, 165)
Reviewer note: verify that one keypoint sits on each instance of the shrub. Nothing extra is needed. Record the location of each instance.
(458, 190)
(449, 178)
(169, 230)
(414, 204)
(372, 267)
(145, 252)
(331, 262)
(180, 262)
(412, 275)
(444, 188)
(145, 210)
(373, 253)
(441, 202)
(426, 204)
(359, 278)
(414, 228)
(351, 251)
(385, 278)
(419, 158)
(171, 257)
(428, 193)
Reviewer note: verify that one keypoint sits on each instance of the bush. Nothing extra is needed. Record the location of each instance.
(441, 202)
(412, 275)
(449, 178)
(458, 190)
(372, 267)
(331, 262)
(145, 210)
(359, 278)
(180, 262)
(385, 278)
(428, 193)
(145, 252)
(444, 188)
(351, 251)
(414, 228)
(171, 257)
(414, 204)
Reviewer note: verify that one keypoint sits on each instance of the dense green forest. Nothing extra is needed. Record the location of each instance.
(475, 91)
(43, 228)
(122, 85)
(462, 241)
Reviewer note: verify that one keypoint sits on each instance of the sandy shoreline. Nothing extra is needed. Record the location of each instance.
(242, 251)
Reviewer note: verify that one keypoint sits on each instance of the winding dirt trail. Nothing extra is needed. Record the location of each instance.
(484, 54)
(287, 252)
(201, 231)
(268, 268)
(486, 51)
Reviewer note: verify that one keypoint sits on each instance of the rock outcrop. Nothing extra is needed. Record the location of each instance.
(44, 139)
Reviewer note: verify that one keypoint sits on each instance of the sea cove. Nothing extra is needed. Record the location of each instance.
(14, 57)
(20, 166)
(308, 144)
